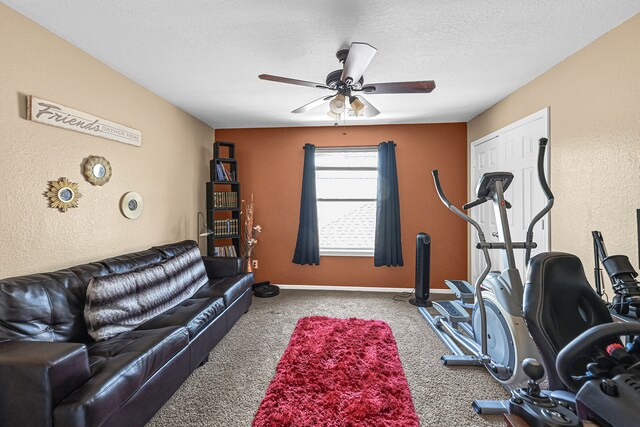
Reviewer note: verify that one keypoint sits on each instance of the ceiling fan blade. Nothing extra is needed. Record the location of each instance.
(400, 87)
(358, 59)
(313, 104)
(292, 81)
(369, 110)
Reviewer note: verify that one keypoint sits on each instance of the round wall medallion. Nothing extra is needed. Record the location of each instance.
(131, 205)
(63, 194)
(97, 170)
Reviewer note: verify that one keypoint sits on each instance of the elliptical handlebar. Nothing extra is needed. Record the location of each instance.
(542, 147)
(436, 180)
(485, 251)
(451, 206)
(473, 204)
(454, 209)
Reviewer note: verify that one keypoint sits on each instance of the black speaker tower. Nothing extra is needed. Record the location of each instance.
(423, 270)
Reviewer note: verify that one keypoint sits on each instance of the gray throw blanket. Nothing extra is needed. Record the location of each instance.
(121, 302)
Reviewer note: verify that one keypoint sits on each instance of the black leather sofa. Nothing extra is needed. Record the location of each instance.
(53, 374)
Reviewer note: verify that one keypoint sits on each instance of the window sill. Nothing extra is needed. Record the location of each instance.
(347, 252)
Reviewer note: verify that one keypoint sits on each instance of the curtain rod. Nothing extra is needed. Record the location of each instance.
(353, 147)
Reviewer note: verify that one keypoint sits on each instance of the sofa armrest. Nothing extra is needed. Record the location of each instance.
(222, 266)
(36, 376)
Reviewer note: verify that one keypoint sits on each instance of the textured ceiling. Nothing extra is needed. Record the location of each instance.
(205, 56)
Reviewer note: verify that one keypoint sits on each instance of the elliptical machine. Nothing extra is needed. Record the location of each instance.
(495, 335)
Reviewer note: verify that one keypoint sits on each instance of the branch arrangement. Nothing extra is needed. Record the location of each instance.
(251, 232)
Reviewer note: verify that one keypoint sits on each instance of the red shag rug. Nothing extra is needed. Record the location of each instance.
(338, 372)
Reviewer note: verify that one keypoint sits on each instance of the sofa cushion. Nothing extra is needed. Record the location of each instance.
(36, 376)
(42, 307)
(86, 272)
(229, 288)
(119, 367)
(173, 249)
(194, 313)
(121, 302)
(132, 261)
(219, 267)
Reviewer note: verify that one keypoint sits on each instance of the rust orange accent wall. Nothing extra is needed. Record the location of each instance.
(270, 167)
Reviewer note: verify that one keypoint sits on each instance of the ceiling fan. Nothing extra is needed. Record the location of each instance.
(349, 82)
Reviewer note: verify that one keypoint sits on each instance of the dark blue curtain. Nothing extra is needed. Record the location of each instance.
(308, 243)
(388, 246)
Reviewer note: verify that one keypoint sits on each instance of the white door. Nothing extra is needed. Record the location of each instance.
(516, 147)
(486, 158)
(519, 155)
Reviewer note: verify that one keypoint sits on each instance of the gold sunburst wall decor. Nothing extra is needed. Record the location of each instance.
(63, 194)
(97, 170)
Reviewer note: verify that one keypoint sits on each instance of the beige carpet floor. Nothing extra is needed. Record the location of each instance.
(227, 391)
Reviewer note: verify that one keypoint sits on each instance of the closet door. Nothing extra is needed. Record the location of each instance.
(513, 149)
(519, 155)
(486, 158)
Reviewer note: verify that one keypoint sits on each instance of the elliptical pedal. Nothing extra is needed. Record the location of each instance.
(452, 311)
(463, 290)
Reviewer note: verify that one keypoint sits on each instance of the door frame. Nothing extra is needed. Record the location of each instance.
(541, 114)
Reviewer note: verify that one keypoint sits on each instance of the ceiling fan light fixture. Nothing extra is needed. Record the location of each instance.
(357, 106)
(334, 116)
(337, 104)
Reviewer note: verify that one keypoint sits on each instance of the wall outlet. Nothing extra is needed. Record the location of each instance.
(255, 264)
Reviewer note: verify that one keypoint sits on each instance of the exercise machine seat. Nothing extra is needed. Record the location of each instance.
(559, 304)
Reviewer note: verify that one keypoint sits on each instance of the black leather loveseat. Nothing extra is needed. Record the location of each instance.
(52, 373)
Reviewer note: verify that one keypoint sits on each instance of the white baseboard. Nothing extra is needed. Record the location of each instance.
(355, 288)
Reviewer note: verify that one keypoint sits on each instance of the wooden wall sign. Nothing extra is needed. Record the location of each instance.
(50, 113)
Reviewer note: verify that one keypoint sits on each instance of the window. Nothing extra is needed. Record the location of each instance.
(346, 186)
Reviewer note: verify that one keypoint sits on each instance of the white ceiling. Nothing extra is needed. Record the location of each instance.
(205, 56)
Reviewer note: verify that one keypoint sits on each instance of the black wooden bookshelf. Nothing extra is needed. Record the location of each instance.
(223, 199)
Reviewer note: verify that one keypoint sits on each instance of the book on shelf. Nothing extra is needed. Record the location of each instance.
(229, 250)
(223, 174)
(225, 199)
(225, 227)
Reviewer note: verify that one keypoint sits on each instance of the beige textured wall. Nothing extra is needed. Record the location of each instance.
(169, 170)
(594, 97)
